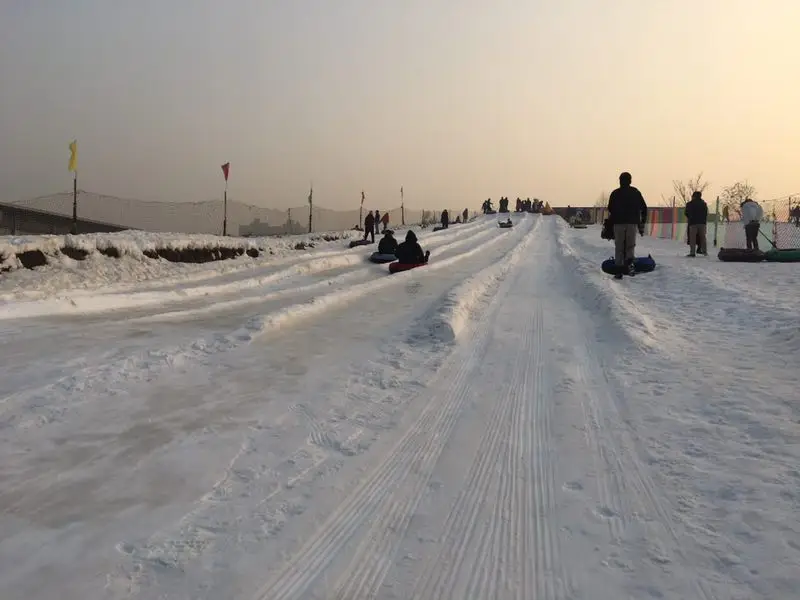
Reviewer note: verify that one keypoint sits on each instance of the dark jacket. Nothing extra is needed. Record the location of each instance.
(410, 252)
(696, 212)
(626, 206)
(369, 222)
(387, 245)
(445, 217)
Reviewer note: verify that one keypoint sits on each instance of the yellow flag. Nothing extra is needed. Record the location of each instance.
(73, 157)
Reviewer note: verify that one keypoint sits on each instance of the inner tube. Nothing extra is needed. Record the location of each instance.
(356, 243)
(641, 264)
(377, 257)
(505, 225)
(396, 267)
(782, 255)
(439, 228)
(740, 255)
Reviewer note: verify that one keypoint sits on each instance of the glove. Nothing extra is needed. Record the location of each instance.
(641, 229)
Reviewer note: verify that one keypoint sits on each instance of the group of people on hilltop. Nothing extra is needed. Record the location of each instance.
(527, 205)
(627, 216)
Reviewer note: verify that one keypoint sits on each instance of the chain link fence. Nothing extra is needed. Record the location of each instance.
(780, 227)
(207, 217)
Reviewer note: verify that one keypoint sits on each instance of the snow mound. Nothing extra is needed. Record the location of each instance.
(36, 266)
(453, 315)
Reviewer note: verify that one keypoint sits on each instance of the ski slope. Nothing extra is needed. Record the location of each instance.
(506, 422)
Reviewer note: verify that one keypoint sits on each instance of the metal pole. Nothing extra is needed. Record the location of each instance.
(75, 204)
(716, 222)
(225, 211)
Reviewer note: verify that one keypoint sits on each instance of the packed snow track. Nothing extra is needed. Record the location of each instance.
(505, 423)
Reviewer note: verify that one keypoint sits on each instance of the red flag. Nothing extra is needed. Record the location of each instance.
(225, 169)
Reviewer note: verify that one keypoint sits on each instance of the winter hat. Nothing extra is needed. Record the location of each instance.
(411, 236)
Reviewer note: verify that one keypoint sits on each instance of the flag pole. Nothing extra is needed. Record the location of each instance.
(75, 203)
(73, 166)
(361, 210)
(225, 211)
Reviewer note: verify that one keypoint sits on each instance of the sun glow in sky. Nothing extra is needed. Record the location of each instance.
(455, 100)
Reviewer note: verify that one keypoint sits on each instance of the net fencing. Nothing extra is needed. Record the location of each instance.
(780, 226)
(207, 217)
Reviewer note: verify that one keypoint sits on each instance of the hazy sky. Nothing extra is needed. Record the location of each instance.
(456, 100)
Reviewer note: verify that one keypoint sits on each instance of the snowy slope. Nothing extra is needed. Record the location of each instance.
(506, 422)
(132, 268)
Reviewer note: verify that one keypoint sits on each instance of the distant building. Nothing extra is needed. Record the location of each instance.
(258, 229)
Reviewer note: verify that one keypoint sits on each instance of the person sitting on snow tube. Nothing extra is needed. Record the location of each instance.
(410, 252)
(387, 245)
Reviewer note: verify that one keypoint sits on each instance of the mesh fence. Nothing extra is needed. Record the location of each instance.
(779, 227)
(207, 217)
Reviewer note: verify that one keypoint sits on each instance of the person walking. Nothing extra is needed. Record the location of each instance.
(628, 213)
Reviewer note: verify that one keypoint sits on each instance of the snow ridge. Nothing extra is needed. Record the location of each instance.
(321, 304)
(453, 316)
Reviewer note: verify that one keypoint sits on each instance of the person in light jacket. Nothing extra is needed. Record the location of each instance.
(752, 213)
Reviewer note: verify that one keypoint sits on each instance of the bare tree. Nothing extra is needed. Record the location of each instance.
(733, 195)
(602, 201)
(685, 189)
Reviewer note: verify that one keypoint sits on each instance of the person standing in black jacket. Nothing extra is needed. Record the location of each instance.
(369, 226)
(696, 212)
(628, 213)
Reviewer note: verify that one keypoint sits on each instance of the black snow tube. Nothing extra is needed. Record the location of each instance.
(356, 243)
(740, 255)
(377, 257)
(641, 264)
(506, 225)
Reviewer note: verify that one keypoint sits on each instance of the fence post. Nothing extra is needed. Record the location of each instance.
(716, 222)
(775, 226)
(673, 218)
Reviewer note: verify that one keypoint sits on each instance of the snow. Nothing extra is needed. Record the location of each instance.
(505, 422)
(133, 268)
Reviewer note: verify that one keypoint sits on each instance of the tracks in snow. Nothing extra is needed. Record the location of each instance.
(498, 540)
(388, 498)
(637, 516)
(406, 467)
